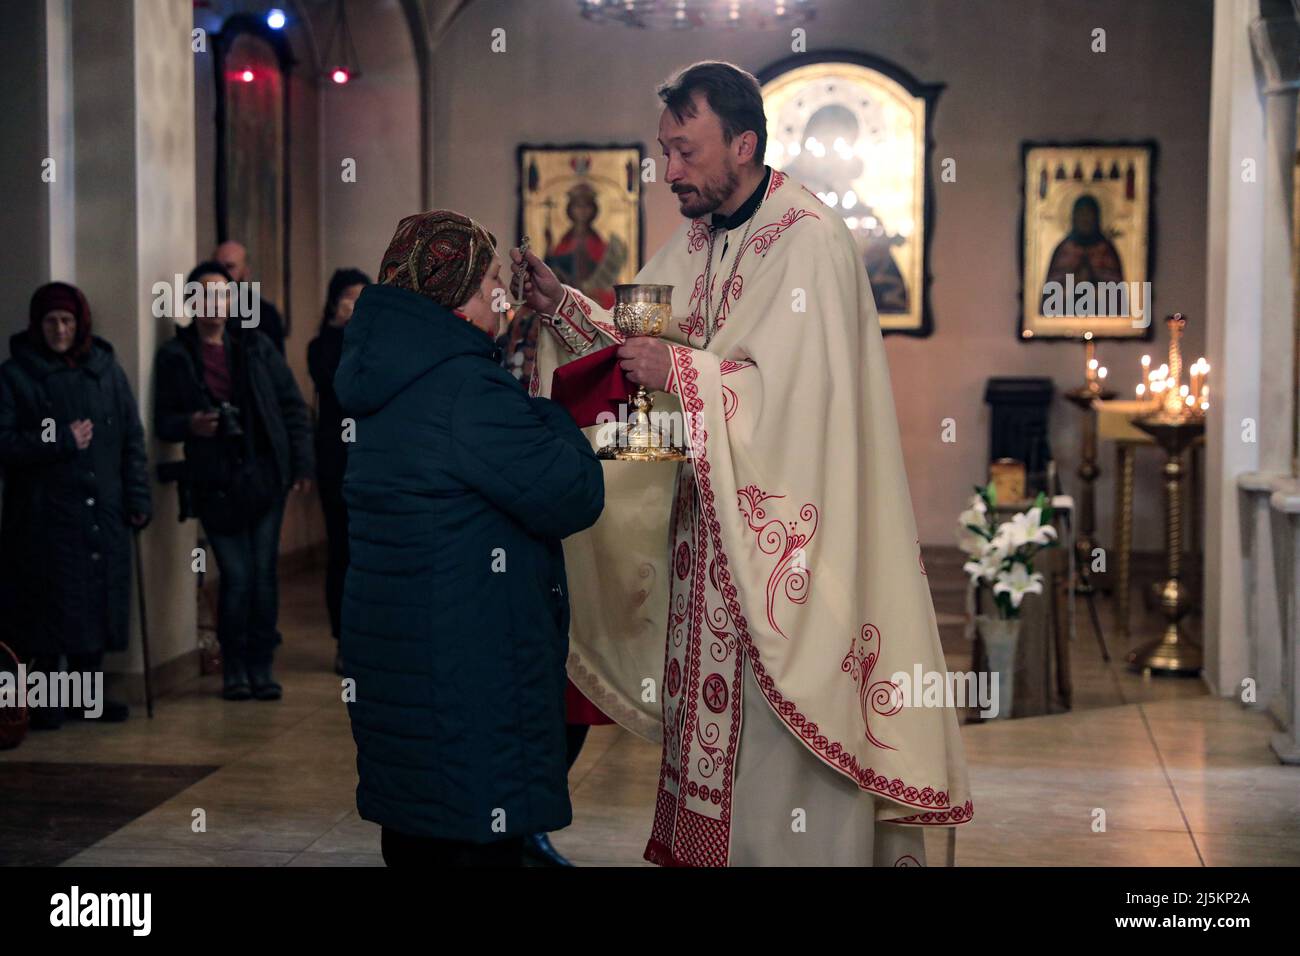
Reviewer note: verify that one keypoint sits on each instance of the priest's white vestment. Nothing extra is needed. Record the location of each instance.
(748, 607)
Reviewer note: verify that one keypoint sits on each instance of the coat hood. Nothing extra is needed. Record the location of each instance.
(394, 337)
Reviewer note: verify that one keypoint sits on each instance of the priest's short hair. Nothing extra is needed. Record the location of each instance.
(732, 93)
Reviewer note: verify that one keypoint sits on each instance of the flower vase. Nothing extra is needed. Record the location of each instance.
(1000, 636)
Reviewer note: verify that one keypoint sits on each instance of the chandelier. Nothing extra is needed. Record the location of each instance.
(693, 14)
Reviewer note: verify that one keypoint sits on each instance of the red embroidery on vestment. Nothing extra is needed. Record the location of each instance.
(569, 308)
(694, 324)
(791, 571)
(933, 803)
(883, 696)
(778, 180)
(730, 400)
(762, 239)
(674, 678)
(730, 296)
(697, 237)
(939, 818)
(715, 693)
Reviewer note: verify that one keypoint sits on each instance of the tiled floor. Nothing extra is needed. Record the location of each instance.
(1171, 777)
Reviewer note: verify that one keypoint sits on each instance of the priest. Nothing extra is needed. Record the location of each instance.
(749, 606)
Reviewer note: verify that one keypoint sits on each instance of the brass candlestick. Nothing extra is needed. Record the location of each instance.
(641, 310)
(1082, 398)
(1175, 424)
(1172, 652)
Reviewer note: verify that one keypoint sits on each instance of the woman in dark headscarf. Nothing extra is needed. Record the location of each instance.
(76, 484)
(323, 355)
(459, 488)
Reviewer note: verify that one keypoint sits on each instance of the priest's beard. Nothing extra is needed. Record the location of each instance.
(694, 203)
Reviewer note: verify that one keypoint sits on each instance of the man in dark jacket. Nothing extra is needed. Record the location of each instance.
(229, 396)
(234, 257)
(76, 483)
(455, 614)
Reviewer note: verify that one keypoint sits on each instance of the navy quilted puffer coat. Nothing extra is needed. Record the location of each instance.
(459, 488)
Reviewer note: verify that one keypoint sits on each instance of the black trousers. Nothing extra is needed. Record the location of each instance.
(402, 851)
(336, 543)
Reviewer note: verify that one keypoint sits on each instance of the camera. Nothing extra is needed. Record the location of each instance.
(228, 421)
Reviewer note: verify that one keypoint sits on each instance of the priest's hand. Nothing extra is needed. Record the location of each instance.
(543, 291)
(646, 360)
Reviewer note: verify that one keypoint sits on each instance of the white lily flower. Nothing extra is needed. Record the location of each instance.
(1017, 583)
(970, 542)
(1026, 528)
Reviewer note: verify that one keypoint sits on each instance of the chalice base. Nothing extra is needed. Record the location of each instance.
(637, 444)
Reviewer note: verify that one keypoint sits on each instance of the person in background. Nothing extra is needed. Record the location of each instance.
(234, 257)
(459, 489)
(229, 396)
(76, 485)
(323, 354)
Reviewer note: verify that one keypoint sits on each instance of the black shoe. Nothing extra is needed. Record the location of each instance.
(45, 718)
(265, 687)
(538, 851)
(113, 713)
(234, 682)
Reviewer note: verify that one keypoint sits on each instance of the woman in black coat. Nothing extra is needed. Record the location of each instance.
(323, 355)
(76, 483)
(459, 488)
(230, 397)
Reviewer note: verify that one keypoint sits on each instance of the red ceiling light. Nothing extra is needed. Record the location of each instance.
(340, 50)
(247, 76)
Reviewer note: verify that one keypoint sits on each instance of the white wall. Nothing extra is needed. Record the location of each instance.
(376, 122)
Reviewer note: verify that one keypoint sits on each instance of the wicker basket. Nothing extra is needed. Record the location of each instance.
(13, 720)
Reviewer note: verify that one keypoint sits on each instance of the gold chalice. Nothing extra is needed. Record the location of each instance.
(641, 310)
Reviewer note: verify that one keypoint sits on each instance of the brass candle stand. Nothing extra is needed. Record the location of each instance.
(1082, 399)
(1174, 424)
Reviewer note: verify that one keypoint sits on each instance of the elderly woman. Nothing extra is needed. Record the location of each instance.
(76, 483)
(459, 488)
